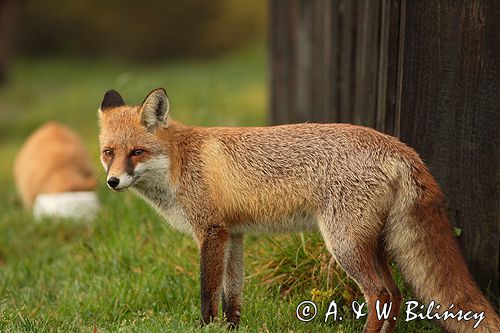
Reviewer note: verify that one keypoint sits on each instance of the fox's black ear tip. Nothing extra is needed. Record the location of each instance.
(160, 90)
(112, 99)
(111, 92)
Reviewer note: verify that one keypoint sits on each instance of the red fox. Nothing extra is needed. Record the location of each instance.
(370, 196)
(53, 160)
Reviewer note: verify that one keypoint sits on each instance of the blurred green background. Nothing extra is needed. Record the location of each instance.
(155, 29)
(127, 271)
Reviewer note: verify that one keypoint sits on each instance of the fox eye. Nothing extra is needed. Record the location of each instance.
(137, 152)
(107, 152)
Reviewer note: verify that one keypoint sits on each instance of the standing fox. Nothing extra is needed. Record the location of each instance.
(369, 195)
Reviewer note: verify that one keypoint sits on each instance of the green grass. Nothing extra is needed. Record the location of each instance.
(127, 271)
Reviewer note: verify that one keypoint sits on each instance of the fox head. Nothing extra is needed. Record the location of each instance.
(131, 152)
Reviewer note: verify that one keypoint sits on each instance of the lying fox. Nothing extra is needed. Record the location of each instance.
(53, 160)
(370, 196)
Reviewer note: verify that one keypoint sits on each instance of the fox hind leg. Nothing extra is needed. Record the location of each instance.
(384, 271)
(356, 254)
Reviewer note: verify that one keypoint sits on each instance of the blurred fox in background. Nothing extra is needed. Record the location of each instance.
(52, 161)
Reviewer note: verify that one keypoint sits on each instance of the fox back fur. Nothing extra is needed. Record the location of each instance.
(369, 195)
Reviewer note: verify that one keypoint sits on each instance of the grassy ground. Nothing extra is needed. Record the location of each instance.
(127, 271)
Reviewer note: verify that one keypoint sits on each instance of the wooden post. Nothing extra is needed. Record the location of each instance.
(334, 61)
(450, 113)
(426, 72)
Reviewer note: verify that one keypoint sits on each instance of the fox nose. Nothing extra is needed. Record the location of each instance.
(113, 182)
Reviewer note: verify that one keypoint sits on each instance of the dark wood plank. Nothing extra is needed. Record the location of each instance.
(427, 72)
(333, 53)
(367, 62)
(321, 61)
(387, 91)
(278, 48)
(302, 14)
(383, 64)
(346, 65)
(399, 68)
(450, 112)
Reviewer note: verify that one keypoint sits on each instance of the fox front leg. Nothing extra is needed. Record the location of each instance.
(213, 241)
(233, 281)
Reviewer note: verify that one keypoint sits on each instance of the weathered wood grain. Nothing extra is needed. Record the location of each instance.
(450, 113)
(427, 72)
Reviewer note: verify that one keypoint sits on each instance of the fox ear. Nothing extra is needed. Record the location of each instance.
(111, 99)
(154, 109)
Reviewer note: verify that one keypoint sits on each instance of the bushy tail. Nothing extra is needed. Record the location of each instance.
(420, 238)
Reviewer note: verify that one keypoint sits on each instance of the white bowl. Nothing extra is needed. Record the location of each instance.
(73, 205)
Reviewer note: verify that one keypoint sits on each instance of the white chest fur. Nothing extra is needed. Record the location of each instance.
(163, 200)
(156, 190)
